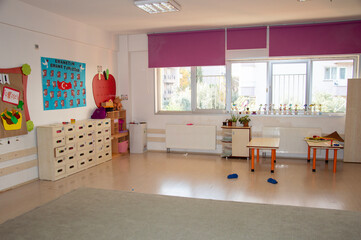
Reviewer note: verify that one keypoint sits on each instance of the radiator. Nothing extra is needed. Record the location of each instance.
(291, 139)
(200, 137)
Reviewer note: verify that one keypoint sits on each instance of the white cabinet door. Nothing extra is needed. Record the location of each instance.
(353, 127)
(240, 139)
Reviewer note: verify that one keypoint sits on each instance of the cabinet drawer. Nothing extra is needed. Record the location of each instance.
(68, 129)
(91, 151)
(59, 141)
(81, 154)
(99, 147)
(99, 132)
(107, 155)
(80, 127)
(70, 138)
(71, 148)
(71, 168)
(90, 125)
(60, 161)
(106, 123)
(59, 172)
(80, 136)
(99, 140)
(81, 145)
(99, 124)
(107, 139)
(90, 143)
(90, 134)
(82, 163)
(100, 157)
(58, 131)
(91, 161)
(70, 157)
(60, 151)
(107, 146)
(106, 131)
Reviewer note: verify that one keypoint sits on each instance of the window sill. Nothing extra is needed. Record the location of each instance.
(227, 114)
(300, 115)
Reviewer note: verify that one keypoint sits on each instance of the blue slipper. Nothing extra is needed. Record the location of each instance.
(271, 180)
(231, 176)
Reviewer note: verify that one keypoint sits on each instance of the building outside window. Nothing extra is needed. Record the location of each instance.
(331, 94)
(211, 88)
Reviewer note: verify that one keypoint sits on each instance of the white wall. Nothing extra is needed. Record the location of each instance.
(142, 84)
(21, 27)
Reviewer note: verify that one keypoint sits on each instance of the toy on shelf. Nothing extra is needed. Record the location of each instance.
(117, 103)
(296, 109)
(320, 109)
(259, 109)
(305, 109)
(265, 109)
(290, 109)
(273, 109)
(270, 109)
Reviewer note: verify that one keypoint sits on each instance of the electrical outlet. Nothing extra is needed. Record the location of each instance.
(124, 96)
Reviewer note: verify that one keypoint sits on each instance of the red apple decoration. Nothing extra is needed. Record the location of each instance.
(103, 89)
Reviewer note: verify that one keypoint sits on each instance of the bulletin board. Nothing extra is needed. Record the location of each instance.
(13, 104)
(63, 84)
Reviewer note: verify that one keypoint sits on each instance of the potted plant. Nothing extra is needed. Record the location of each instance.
(229, 122)
(234, 119)
(245, 120)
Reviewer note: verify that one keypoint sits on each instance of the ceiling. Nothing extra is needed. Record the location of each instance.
(122, 17)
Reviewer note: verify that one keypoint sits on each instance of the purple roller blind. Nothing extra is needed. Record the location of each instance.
(315, 39)
(246, 38)
(198, 48)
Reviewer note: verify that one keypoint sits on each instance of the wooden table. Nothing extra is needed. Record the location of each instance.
(264, 143)
(324, 144)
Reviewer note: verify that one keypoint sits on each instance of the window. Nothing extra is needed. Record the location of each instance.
(192, 88)
(175, 88)
(249, 85)
(331, 95)
(289, 83)
(211, 88)
(330, 73)
(252, 84)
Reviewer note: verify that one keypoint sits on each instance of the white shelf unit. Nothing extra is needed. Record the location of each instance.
(64, 149)
(235, 140)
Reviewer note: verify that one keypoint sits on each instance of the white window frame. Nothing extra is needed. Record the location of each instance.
(308, 60)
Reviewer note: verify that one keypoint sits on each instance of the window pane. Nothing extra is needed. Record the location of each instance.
(249, 82)
(331, 94)
(211, 87)
(175, 88)
(289, 83)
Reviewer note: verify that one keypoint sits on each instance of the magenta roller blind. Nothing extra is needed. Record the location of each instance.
(246, 38)
(315, 39)
(198, 48)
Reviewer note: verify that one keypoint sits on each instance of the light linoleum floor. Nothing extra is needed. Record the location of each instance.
(203, 176)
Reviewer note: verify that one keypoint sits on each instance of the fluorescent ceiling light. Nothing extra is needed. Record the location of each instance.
(157, 6)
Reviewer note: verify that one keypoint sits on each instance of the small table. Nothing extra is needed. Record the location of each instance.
(264, 143)
(325, 144)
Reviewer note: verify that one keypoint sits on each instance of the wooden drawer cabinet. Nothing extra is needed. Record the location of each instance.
(66, 149)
